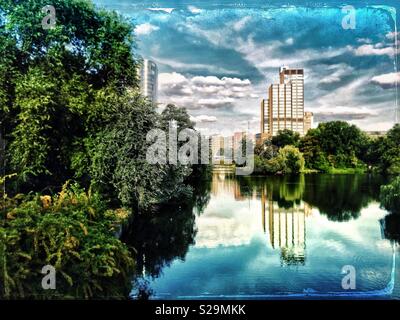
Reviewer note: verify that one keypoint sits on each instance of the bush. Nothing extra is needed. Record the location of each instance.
(292, 159)
(390, 196)
(119, 168)
(73, 232)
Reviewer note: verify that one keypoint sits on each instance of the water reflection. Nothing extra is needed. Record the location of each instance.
(271, 236)
(162, 236)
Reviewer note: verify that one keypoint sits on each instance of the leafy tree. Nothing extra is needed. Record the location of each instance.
(292, 159)
(335, 144)
(390, 196)
(286, 137)
(385, 152)
(52, 82)
(119, 166)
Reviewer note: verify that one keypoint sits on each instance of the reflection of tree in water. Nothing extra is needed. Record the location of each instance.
(165, 235)
(341, 197)
(391, 227)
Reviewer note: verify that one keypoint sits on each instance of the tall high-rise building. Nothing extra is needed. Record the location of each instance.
(308, 121)
(284, 108)
(149, 79)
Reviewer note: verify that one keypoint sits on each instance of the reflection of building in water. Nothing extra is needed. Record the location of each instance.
(226, 183)
(287, 229)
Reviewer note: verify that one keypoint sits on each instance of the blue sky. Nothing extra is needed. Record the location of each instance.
(217, 60)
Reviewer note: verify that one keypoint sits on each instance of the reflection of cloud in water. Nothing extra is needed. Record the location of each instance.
(229, 223)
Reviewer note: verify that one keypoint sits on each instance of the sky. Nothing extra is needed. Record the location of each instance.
(217, 60)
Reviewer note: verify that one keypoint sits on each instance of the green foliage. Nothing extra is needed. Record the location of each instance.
(72, 231)
(288, 160)
(292, 159)
(385, 152)
(390, 196)
(56, 84)
(286, 137)
(119, 167)
(335, 144)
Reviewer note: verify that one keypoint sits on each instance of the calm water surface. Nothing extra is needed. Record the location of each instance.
(272, 237)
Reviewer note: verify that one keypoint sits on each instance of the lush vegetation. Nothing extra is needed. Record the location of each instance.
(390, 196)
(73, 231)
(70, 110)
(333, 147)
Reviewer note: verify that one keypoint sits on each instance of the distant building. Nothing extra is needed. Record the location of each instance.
(284, 108)
(221, 148)
(376, 134)
(237, 139)
(308, 121)
(260, 138)
(148, 73)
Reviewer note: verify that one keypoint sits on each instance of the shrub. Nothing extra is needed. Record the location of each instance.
(75, 233)
(292, 159)
(390, 196)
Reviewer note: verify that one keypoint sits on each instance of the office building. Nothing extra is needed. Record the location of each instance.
(308, 121)
(284, 107)
(148, 73)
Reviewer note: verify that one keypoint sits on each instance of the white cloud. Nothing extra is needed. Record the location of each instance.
(289, 41)
(388, 80)
(203, 91)
(371, 50)
(336, 72)
(239, 25)
(392, 35)
(182, 66)
(194, 9)
(145, 29)
(364, 40)
(203, 118)
(167, 10)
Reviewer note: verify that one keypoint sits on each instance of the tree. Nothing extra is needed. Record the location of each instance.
(385, 152)
(390, 196)
(119, 167)
(51, 82)
(292, 159)
(335, 144)
(286, 137)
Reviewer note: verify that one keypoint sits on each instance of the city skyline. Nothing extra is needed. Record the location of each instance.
(219, 71)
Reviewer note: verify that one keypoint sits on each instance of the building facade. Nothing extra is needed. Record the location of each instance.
(149, 80)
(284, 108)
(308, 121)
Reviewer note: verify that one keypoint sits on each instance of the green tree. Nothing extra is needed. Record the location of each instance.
(52, 80)
(390, 196)
(286, 137)
(292, 158)
(385, 151)
(335, 144)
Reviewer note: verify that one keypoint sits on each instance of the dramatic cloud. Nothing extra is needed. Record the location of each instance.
(336, 72)
(167, 10)
(239, 25)
(388, 80)
(392, 35)
(145, 29)
(219, 61)
(194, 9)
(374, 50)
(203, 119)
(341, 113)
(200, 91)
